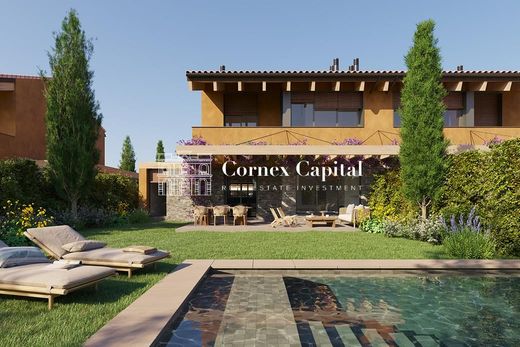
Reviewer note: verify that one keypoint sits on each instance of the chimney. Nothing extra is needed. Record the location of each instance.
(222, 68)
(356, 64)
(335, 65)
(460, 68)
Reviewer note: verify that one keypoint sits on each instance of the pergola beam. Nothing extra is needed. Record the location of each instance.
(264, 86)
(313, 86)
(288, 86)
(240, 86)
(337, 86)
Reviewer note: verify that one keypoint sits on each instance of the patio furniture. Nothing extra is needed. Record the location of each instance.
(278, 220)
(346, 214)
(240, 213)
(220, 211)
(291, 219)
(313, 221)
(200, 215)
(37, 277)
(63, 242)
(353, 214)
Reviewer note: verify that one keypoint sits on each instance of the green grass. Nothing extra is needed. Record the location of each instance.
(26, 322)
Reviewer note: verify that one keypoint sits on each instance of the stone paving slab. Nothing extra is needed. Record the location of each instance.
(258, 313)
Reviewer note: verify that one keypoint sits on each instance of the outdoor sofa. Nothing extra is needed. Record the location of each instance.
(26, 271)
(58, 240)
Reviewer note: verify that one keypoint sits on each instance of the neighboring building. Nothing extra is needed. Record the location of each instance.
(292, 113)
(22, 119)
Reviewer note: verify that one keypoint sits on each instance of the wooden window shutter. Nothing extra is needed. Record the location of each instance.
(302, 98)
(488, 109)
(326, 101)
(396, 99)
(350, 101)
(240, 104)
(454, 101)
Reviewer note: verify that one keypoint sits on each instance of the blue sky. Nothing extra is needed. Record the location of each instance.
(143, 48)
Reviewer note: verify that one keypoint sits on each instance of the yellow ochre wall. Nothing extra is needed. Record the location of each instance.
(378, 126)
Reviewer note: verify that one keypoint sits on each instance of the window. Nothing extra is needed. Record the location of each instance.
(240, 110)
(302, 115)
(454, 103)
(240, 121)
(350, 118)
(452, 117)
(327, 109)
(325, 118)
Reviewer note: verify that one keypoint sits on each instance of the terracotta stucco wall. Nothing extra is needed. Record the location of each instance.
(212, 108)
(25, 106)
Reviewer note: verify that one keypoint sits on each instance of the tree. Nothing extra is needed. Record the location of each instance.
(72, 118)
(159, 152)
(127, 161)
(423, 148)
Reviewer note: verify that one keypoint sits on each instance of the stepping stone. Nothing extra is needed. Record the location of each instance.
(402, 340)
(375, 339)
(320, 334)
(347, 336)
(426, 341)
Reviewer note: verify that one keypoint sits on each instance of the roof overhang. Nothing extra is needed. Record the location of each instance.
(367, 80)
(364, 150)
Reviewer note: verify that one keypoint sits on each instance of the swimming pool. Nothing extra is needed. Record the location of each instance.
(287, 308)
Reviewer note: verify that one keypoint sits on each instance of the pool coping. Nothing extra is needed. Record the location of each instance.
(147, 318)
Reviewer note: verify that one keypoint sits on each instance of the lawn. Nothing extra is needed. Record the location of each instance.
(26, 322)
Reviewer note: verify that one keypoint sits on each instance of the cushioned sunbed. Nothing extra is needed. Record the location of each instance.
(43, 280)
(53, 239)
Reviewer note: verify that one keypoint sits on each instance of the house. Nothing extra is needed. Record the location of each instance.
(331, 113)
(22, 119)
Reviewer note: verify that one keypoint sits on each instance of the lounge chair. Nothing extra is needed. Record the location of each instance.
(26, 271)
(291, 219)
(53, 239)
(277, 220)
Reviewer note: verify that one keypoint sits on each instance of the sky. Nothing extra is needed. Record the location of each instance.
(142, 49)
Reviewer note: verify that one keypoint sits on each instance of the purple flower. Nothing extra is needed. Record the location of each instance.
(194, 141)
(349, 141)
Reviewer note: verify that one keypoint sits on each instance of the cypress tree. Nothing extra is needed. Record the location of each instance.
(127, 156)
(423, 148)
(159, 152)
(72, 118)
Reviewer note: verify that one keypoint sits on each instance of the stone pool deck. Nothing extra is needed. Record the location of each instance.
(141, 323)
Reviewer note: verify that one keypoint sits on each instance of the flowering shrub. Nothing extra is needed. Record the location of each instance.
(194, 141)
(17, 218)
(494, 141)
(349, 141)
(469, 244)
(429, 230)
(465, 238)
(472, 222)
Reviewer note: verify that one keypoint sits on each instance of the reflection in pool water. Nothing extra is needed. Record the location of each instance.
(338, 310)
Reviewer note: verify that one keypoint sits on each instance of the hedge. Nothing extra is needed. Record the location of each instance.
(488, 181)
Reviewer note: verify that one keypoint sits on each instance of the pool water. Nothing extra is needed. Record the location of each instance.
(270, 309)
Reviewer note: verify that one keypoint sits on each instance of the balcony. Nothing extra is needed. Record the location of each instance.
(323, 136)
